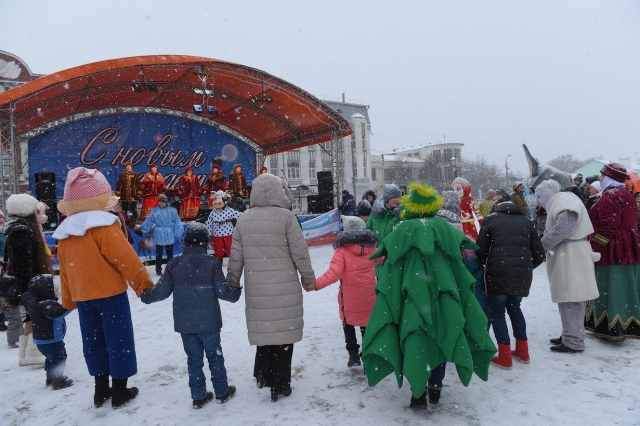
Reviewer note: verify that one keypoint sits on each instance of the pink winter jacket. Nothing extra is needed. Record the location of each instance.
(351, 265)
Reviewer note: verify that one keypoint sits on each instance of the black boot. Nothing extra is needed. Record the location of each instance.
(49, 380)
(262, 382)
(354, 358)
(276, 395)
(61, 382)
(199, 403)
(564, 349)
(434, 396)
(556, 341)
(227, 396)
(419, 403)
(102, 390)
(121, 394)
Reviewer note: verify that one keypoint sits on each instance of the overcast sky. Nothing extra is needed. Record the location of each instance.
(561, 76)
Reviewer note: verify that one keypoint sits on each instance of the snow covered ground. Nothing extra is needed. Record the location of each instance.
(599, 387)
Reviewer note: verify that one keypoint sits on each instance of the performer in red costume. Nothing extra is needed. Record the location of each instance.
(152, 186)
(469, 212)
(215, 182)
(190, 192)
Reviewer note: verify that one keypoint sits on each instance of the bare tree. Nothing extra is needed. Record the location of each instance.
(567, 163)
(482, 175)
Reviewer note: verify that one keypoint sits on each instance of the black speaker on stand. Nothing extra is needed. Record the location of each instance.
(325, 181)
(45, 186)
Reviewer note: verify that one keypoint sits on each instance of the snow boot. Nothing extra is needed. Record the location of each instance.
(276, 395)
(61, 382)
(199, 403)
(556, 341)
(262, 382)
(102, 390)
(562, 348)
(121, 394)
(227, 396)
(32, 354)
(503, 360)
(354, 358)
(522, 351)
(22, 349)
(419, 404)
(434, 396)
(49, 380)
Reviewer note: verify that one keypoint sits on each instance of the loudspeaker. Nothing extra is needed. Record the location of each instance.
(312, 204)
(325, 181)
(325, 201)
(52, 216)
(45, 186)
(203, 215)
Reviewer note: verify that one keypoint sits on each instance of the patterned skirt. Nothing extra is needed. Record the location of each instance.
(189, 209)
(148, 204)
(615, 315)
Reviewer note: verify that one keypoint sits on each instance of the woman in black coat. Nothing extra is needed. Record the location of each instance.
(25, 255)
(510, 249)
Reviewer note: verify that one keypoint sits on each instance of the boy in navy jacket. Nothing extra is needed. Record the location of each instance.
(49, 328)
(197, 282)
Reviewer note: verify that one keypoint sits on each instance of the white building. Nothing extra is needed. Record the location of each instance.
(434, 164)
(300, 166)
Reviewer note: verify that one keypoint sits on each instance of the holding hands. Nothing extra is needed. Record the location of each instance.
(310, 287)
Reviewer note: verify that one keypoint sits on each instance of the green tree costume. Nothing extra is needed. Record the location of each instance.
(426, 311)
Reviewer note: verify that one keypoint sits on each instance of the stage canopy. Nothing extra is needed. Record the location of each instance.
(258, 108)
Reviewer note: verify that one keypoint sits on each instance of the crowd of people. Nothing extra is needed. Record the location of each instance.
(424, 275)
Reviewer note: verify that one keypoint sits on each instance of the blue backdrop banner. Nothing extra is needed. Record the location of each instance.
(108, 142)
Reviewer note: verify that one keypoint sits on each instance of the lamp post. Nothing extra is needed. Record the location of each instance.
(506, 170)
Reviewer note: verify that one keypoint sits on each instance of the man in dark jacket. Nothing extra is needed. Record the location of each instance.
(197, 282)
(510, 250)
(348, 206)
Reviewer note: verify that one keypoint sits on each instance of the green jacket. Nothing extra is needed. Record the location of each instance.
(426, 311)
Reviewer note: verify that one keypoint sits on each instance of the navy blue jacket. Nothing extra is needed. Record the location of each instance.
(197, 282)
(348, 206)
(47, 315)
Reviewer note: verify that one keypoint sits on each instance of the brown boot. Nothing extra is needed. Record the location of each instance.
(522, 351)
(503, 360)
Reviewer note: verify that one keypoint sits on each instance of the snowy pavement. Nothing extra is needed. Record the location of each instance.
(599, 387)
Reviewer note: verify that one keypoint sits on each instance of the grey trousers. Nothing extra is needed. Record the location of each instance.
(572, 317)
(14, 323)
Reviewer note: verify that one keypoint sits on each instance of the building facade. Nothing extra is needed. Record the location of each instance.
(300, 166)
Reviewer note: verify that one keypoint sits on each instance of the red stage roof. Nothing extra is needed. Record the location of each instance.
(295, 118)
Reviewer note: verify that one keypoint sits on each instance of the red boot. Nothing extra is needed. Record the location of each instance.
(503, 360)
(522, 351)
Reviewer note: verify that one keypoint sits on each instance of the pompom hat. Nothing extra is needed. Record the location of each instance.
(85, 183)
(420, 201)
(21, 205)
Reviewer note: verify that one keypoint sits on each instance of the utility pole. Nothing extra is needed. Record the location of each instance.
(506, 171)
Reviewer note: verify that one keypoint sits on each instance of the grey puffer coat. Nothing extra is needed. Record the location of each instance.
(269, 246)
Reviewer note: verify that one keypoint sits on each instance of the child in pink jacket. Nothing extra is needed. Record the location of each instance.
(351, 265)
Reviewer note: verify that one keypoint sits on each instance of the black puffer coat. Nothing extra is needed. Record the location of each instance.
(47, 315)
(21, 253)
(510, 249)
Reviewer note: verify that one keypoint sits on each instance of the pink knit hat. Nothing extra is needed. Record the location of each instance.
(85, 183)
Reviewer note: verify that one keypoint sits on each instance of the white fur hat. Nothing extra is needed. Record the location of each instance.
(21, 205)
(353, 223)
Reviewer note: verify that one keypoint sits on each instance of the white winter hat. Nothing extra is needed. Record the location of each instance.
(353, 223)
(21, 205)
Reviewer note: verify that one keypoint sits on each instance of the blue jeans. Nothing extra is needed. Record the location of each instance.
(195, 344)
(56, 355)
(497, 305)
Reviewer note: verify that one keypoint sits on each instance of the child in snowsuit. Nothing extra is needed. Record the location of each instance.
(164, 223)
(351, 265)
(220, 224)
(49, 328)
(197, 283)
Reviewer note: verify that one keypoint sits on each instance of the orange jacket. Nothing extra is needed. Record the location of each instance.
(99, 264)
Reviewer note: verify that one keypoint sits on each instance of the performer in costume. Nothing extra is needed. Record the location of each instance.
(237, 182)
(418, 324)
(469, 211)
(190, 192)
(615, 315)
(220, 225)
(152, 186)
(215, 182)
(129, 190)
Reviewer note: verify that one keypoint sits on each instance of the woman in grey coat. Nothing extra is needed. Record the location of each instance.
(269, 246)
